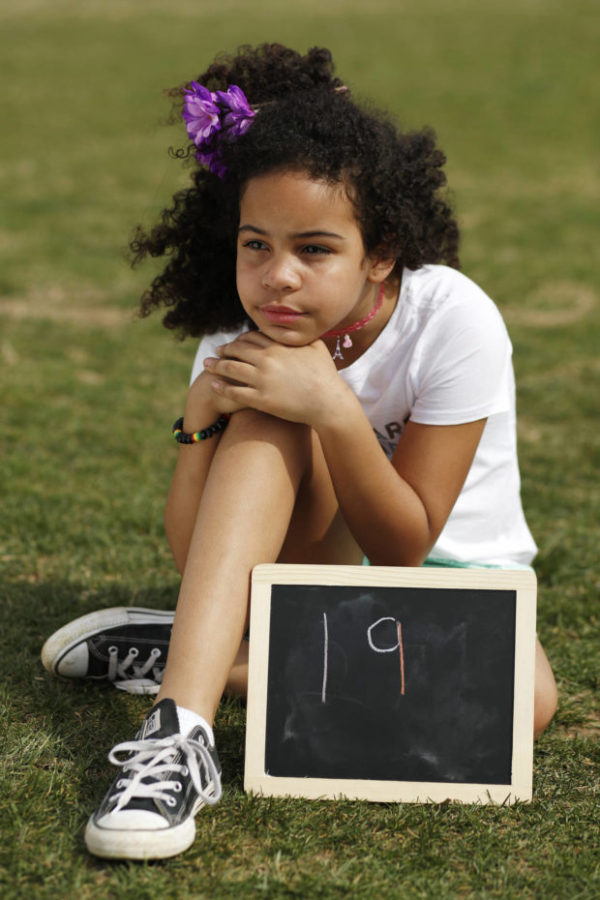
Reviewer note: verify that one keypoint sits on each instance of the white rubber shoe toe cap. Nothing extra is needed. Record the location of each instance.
(132, 820)
(135, 834)
(74, 664)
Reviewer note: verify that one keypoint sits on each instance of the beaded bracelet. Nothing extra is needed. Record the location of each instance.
(183, 437)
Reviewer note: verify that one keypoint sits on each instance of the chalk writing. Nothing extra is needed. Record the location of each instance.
(398, 646)
(325, 658)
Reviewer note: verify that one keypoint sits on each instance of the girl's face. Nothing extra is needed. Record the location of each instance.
(301, 263)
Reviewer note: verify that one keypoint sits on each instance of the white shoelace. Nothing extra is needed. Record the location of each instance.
(152, 758)
(138, 683)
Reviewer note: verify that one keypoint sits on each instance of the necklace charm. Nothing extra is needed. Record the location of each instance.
(337, 354)
(356, 326)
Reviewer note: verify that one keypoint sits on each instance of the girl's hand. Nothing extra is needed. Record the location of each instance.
(300, 384)
(201, 394)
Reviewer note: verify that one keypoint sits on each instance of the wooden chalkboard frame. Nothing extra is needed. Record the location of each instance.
(519, 788)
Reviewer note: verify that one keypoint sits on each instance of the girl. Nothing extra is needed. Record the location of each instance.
(316, 254)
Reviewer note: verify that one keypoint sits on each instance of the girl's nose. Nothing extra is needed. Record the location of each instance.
(281, 276)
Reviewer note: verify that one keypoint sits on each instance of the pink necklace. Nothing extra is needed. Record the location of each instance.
(356, 326)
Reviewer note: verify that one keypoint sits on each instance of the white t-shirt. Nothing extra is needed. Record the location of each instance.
(445, 358)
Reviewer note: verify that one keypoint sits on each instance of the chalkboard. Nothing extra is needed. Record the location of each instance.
(391, 683)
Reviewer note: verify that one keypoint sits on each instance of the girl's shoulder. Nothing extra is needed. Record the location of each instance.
(439, 293)
(437, 285)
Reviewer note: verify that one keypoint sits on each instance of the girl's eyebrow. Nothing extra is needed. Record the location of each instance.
(299, 234)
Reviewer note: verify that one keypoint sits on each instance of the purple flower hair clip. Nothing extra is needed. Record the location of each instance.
(212, 117)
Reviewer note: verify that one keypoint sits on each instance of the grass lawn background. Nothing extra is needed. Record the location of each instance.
(89, 395)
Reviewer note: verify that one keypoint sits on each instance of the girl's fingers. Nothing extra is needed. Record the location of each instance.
(232, 370)
(244, 352)
(240, 396)
(247, 340)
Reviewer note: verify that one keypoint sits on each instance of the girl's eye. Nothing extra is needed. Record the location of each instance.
(255, 245)
(315, 250)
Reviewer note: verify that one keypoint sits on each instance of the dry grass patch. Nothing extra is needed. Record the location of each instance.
(88, 306)
(554, 304)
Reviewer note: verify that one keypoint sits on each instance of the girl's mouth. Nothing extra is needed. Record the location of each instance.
(281, 315)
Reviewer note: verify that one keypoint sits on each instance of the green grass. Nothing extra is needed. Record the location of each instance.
(89, 395)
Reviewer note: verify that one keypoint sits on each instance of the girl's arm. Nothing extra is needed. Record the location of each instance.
(395, 510)
(202, 408)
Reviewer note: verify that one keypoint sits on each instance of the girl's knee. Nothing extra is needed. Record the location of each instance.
(292, 439)
(253, 423)
(275, 441)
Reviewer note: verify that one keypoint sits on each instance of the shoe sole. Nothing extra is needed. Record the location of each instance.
(161, 843)
(67, 637)
(137, 844)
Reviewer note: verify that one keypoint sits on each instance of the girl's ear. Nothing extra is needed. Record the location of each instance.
(380, 267)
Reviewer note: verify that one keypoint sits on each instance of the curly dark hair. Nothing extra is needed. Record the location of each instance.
(302, 124)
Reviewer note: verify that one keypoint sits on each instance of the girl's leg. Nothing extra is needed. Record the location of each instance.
(261, 479)
(237, 681)
(267, 497)
(546, 694)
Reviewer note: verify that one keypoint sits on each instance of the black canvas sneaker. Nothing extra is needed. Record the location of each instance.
(124, 645)
(149, 810)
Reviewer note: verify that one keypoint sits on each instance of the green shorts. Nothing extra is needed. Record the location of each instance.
(456, 564)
